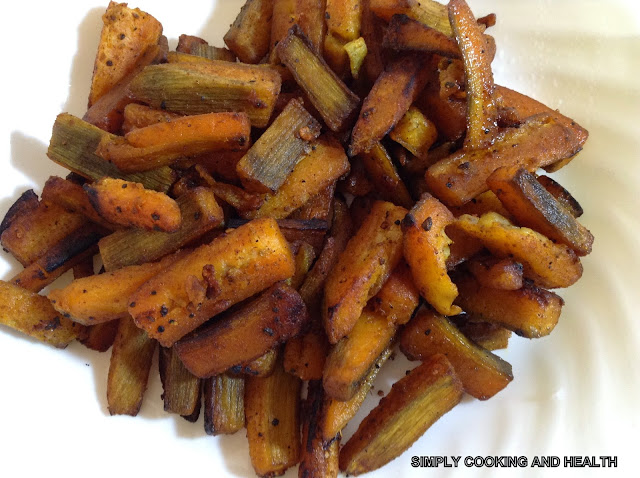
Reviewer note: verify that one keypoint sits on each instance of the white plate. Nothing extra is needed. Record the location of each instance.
(575, 392)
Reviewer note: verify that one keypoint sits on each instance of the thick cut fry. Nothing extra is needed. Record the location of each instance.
(414, 403)
(209, 87)
(108, 112)
(209, 280)
(336, 413)
(71, 250)
(343, 18)
(73, 145)
(519, 107)
(384, 176)
(73, 198)
(482, 373)
(496, 273)
(131, 205)
(415, 132)
(126, 34)
(200, 213)
(131, 358)
(161, 144)
(99, 337)
(362, 268)
(389, 99)
(305, 355)
(534, 207)
(272, 410)
(104, 297)
(273, 156)
(31, 234)
(323, 166)
(398, 298)
(352, 357)
(529, 312)
(350, 360)
(550, 265)
(563, 196)
(405, 33)
(328, 94)
(429, 12)
(539, 141)
(33, 314)
(482, 112)
(24, 206)
(249, 35)
(319, 458)
(262, 324)
(223, 405)
(181, 389)
(426, 249)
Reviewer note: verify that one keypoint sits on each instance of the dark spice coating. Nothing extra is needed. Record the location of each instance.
(242, 336)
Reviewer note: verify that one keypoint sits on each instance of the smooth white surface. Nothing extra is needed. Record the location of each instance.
(574, 393)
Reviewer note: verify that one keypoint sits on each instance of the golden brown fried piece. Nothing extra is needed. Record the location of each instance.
(131, 358)
(482, 111)
(363, 267)
(389, 99)
(482, 373)
(328, 94)
(73, 145)
(350, 360)
(104, 297)
(33, 314)
(336, 414)
(414, 403)
(210, 279)
(162, 144)
(181, 389)
(223, 404)
(537, 142)
(530, 312)
(249, 35)
(209, 87)
(126, 34)
(316, 171)
(534, 207)
(272, 410)
(426, 249)
(131, 205)
(548, 264)
(505, 274)
(260, 325)
(268, 163)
